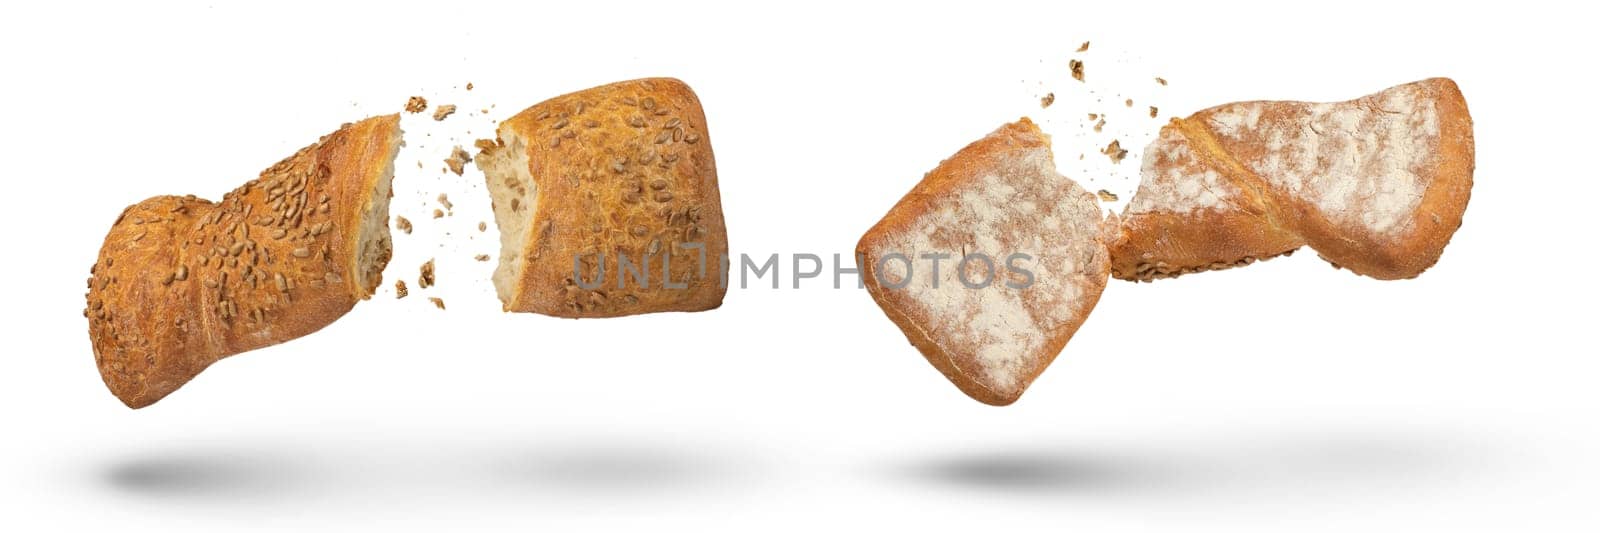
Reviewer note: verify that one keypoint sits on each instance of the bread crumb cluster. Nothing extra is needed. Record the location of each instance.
(1105, 113)
(440, 126)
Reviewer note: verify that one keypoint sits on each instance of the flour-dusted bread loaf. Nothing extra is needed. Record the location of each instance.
(182, 282)
(616, 184)
(997, 197)
(1377, 185)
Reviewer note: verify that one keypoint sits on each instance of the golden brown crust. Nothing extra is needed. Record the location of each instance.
(1437, 216)
(1268, 203)
(948, 207)
(182, 282)
(624, 169)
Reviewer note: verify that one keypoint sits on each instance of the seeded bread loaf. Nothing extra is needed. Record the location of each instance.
(996, 197)
(618, 180)
(1377, 185)
(182, 282)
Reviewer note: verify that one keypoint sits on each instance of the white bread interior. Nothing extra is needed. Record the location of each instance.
(512, 194)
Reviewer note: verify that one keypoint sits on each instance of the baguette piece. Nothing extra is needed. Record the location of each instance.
(618, 184)
(996, 197)
(182, 282)
(1377, 185)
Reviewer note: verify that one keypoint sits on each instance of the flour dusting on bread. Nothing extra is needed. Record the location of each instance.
(1175, 181)
(1359, 162)
(994, 199)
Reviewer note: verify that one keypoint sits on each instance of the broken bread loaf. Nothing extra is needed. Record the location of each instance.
(1377, 185)
(990, 263)
(182, 282)
(607, 203)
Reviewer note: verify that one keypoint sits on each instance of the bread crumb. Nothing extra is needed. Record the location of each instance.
(1153, 111)
(481, 257)
(436, 302)
(439, 113)
(444, 200)
(1161, 80)
(1077, 69)
(482, 226)
(1115, 151)
(484, 145)
(1093, 116)
(416, 104)
(400, 289)
(1084, 47)
(438, 213)
(402, 224)
(469, 85)
(1106, 196)
(426, 279)
(1129, 102)
(1047, 100)
(458, 160)
(1100, 125)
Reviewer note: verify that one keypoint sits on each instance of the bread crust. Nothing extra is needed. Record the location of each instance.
(1377, 184)
(181, 282)
(620, 170)
(1013, 163)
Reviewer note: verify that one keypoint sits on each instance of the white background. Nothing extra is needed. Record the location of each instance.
(1286, 396)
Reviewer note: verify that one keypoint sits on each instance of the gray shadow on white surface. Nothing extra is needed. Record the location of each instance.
(1176, 466)
(205, 474)
(223, 473)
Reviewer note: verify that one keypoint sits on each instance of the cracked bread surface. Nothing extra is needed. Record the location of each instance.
(1377, 184)
(997, 197)
(181, 282)
(581, 181)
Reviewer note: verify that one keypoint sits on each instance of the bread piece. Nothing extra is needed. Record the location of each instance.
(621, 172)
(182, 282)
(998, 196)
(1377, 185)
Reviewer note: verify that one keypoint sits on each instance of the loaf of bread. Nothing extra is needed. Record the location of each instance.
(182, 282)
(1377, 185)
(996, 198)
(607, 203)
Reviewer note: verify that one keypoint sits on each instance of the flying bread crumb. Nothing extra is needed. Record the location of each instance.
(458, 160)
(1115, 151)
(1106, 196)
(1077, 69)
(1129, 102)
(482, 226)
(416, 104)
(402, 224)
(481, 257)
(400, 289)
(438, 213)
(1100, 125)
(1153, 111)
(436, 302)
(426, 279)
(439, 113)
(1084, 47)
(1047, 100)
(444, 200)
(469, 85)
(1093, 116)
(1162, 81)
